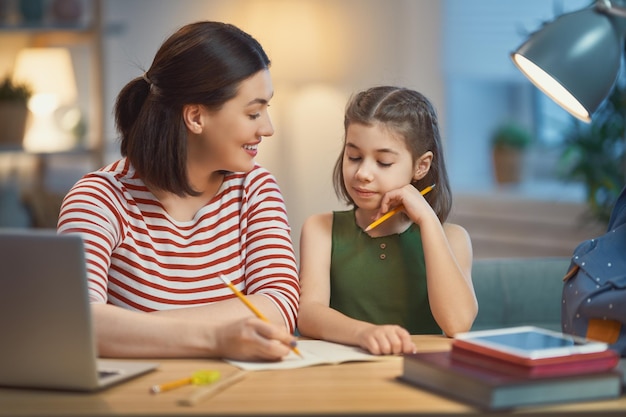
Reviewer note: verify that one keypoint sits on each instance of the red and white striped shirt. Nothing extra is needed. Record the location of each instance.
(139, 258)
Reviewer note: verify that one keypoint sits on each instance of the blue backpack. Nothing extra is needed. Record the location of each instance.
(594, 291)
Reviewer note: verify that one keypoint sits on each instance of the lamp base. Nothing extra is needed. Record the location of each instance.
(44, 135)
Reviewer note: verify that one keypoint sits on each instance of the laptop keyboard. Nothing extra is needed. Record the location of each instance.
(102, 373)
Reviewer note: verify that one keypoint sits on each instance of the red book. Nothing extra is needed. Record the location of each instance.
(604, 356)
(575, 364)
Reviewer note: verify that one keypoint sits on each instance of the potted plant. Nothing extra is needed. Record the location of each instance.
(509, 142)
(13, 111)
(595, 154)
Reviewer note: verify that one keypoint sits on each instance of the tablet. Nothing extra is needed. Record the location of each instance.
(526, 342)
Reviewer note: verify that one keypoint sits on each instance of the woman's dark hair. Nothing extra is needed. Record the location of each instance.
(202, 63)
(412, 117)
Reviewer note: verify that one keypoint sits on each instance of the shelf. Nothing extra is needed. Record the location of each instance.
(30, 28)
(44, 177)
(76, 151)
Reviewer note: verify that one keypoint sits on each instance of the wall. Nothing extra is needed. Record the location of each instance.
(353, 44)
(348, 45)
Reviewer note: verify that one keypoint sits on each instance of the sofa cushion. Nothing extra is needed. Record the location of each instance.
(519, 291)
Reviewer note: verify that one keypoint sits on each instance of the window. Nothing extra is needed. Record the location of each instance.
(484, 89)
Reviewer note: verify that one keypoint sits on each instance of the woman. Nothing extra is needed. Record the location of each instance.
(187, 203)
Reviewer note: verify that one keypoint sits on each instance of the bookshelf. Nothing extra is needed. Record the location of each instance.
(43, 176)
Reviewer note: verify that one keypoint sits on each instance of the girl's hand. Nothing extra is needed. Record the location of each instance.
(414, 204)
(388, 339)
(253, 339)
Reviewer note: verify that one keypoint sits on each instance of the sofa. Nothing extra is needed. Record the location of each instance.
(519, 291)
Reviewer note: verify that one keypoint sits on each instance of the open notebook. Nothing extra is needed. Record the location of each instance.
(46, 338)
(315, 352)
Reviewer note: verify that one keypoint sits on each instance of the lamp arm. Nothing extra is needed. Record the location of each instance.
(607, 7)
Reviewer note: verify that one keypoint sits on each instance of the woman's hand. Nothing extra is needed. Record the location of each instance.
(388, 339)
(253, 339)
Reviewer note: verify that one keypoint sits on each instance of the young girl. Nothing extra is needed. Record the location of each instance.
(187, 203)
(408, 275)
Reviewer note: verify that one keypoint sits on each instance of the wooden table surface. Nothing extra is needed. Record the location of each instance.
(364, 388)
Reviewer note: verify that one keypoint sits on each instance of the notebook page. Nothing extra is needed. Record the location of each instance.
(314, 352)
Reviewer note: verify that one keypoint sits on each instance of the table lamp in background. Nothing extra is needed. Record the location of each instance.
(50, 73)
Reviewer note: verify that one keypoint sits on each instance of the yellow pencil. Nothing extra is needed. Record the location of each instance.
(394, 211)
(251, 306)
(198, 378)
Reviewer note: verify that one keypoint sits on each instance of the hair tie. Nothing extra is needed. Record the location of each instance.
(150, 83)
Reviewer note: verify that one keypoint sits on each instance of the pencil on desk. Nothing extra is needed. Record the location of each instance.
(198, 378)
(209, 391)
(394, 211)
(251, 306)
(167, 386)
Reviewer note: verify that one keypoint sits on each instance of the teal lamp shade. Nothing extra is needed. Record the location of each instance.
(575, 59)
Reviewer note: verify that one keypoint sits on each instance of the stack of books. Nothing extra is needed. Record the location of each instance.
(495, 376)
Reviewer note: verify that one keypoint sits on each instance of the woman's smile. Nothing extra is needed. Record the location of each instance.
(253, 149)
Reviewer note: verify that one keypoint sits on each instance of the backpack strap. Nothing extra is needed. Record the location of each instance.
(618, 214)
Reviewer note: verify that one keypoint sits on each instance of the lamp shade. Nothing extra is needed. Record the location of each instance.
(575, 59)
(49, 72)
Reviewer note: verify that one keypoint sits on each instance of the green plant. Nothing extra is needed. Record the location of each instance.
(10, 91)
(511, 135)
(595, 153)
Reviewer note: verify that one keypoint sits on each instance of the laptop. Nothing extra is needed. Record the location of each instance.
(46, 338)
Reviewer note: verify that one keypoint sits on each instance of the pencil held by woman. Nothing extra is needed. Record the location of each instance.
(251, 306)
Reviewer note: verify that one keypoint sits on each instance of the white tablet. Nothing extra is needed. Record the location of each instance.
(527, 342)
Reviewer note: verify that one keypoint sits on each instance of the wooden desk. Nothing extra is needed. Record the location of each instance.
(348, 389)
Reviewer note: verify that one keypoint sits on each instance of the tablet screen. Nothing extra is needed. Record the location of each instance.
(531, 342)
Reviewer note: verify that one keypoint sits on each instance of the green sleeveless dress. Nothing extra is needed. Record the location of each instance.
(380, 280)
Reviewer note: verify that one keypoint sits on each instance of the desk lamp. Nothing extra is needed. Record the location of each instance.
(575, 59)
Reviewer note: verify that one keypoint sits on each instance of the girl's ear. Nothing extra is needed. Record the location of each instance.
(192, 116)
(422, 165)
